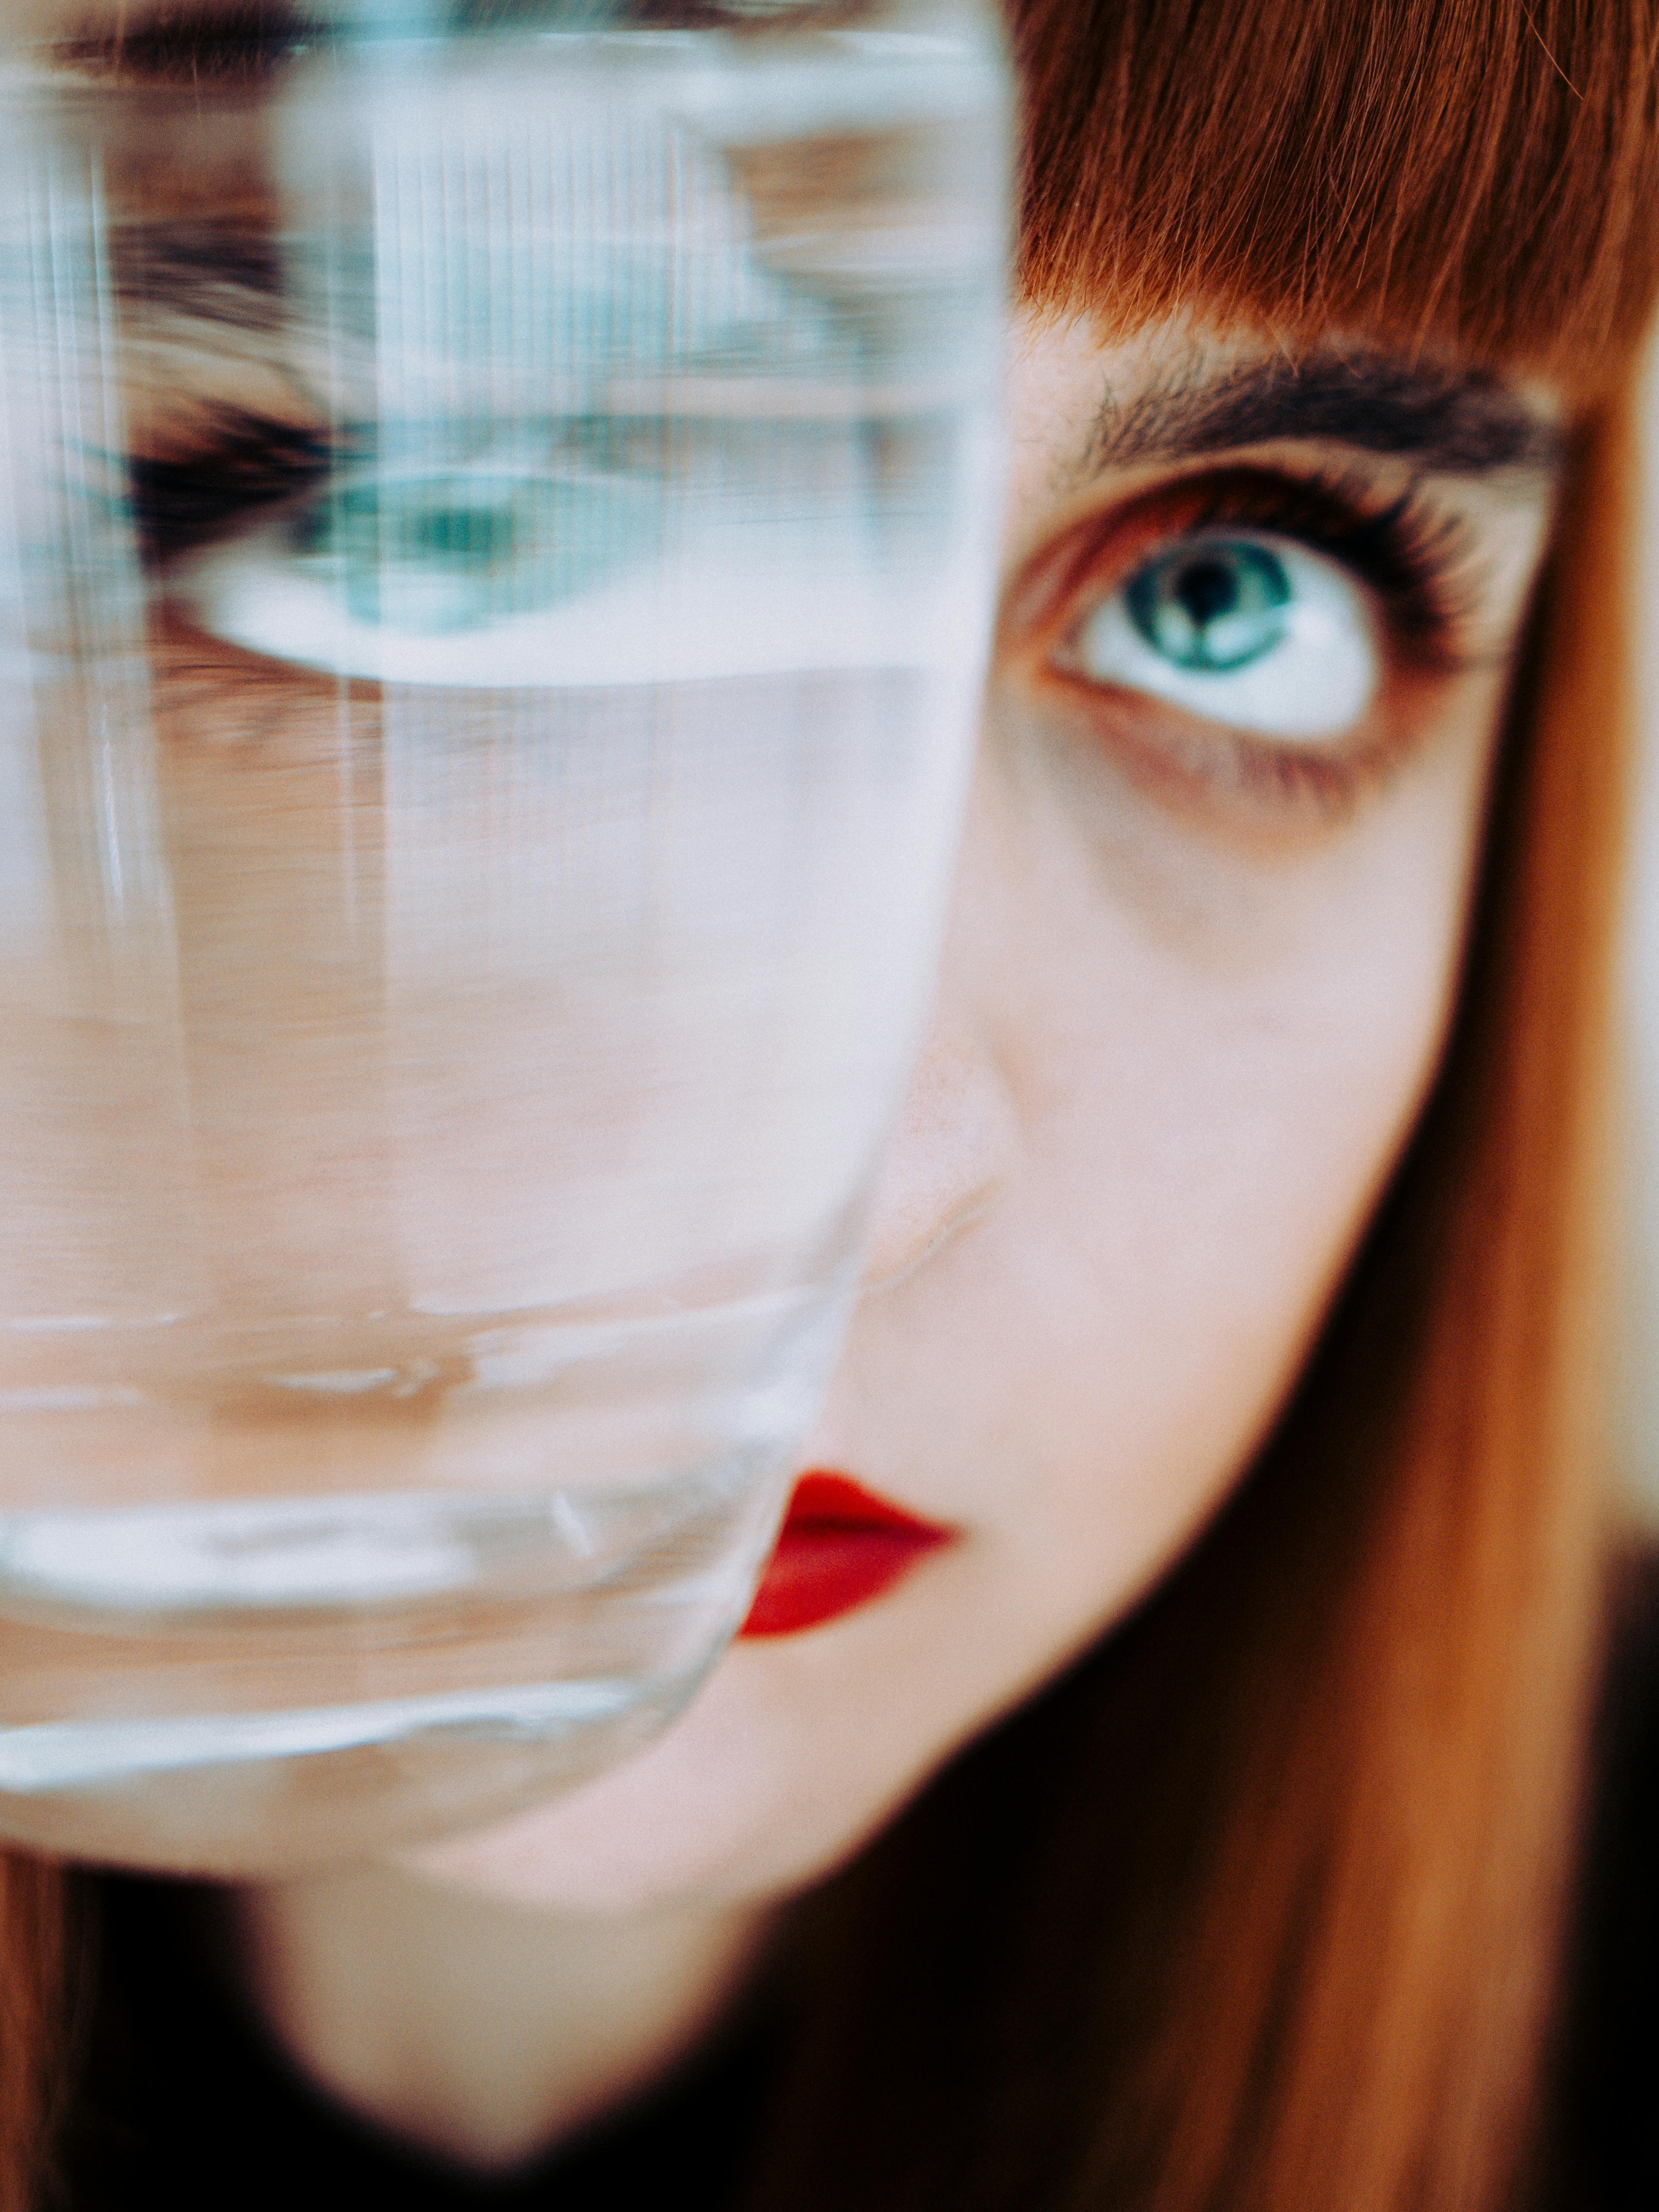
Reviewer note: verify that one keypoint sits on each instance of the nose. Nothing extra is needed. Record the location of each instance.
(956, 1141)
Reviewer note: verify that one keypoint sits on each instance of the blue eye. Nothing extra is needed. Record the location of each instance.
(1258, 634)
(508, 573)
(1214, 607)
(448, 551)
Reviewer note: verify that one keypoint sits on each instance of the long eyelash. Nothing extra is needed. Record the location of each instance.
(1416, 557)
(243, 464)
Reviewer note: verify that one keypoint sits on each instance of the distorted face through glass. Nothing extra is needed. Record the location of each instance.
(501, 597)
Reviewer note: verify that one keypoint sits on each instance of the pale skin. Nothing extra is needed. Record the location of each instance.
(1194, 990)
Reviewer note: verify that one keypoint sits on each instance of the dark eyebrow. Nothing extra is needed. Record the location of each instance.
(1448, 421)
(190, 42)
(249, 40)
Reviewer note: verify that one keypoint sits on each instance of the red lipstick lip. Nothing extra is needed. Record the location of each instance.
(840, 1545)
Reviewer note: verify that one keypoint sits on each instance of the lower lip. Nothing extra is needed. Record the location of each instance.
(841, 1547)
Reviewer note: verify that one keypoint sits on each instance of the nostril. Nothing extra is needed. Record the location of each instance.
(955, 1146)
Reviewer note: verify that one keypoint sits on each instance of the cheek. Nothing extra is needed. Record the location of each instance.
(1214, 1059)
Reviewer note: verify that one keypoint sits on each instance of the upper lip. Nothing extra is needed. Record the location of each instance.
(827, 1501)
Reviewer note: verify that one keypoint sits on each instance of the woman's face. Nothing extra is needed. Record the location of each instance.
(1257, 626)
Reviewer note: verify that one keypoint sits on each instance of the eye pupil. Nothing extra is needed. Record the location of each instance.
(1206, 590)
(1211, 608)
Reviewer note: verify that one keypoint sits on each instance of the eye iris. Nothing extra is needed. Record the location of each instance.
(1212, 608)
(454, 552)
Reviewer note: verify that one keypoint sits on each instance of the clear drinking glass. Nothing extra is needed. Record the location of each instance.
(496, 527)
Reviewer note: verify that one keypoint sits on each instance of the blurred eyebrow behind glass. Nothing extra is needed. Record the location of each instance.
(1065, 1138)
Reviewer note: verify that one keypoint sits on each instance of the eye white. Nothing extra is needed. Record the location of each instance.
(488, 577)
(1313, 675)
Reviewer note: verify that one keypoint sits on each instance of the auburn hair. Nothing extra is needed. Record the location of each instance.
(1259, 1906)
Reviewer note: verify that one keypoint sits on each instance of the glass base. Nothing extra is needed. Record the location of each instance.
(254, 1689)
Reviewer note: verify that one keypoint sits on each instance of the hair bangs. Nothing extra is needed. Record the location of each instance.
(1437, 174)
